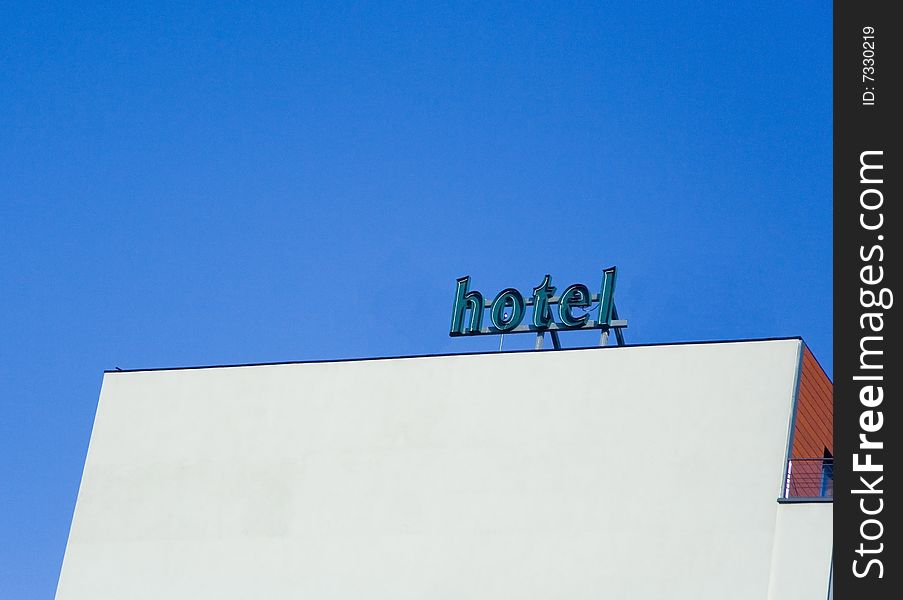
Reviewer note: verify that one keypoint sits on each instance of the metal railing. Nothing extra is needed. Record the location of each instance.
(809, 478)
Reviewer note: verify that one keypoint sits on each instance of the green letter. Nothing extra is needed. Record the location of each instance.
(463, 300)
(506, 297)
(574, 295)
(607, 295)
(542, 316)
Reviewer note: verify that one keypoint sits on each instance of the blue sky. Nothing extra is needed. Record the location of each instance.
(186, 185)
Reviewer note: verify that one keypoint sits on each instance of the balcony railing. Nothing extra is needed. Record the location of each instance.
(809, 478)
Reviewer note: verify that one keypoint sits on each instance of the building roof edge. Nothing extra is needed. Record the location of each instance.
(399, 357)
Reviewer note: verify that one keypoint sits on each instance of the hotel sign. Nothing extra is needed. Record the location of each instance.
(573, 309)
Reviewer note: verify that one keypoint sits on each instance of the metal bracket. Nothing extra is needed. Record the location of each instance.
(540, 335)
(619, 335)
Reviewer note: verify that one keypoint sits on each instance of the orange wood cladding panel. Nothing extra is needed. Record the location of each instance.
(814, 426)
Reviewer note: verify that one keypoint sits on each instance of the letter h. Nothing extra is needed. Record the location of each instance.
(465, 299)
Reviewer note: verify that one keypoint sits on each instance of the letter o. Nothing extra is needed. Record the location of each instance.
(865, 194)
(867, 522)
(508, 297)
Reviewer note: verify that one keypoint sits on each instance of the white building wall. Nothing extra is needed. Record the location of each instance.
(644, 472)
(801, 559)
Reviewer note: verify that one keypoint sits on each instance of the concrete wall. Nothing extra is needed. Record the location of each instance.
(609, 473)
(801, 559)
